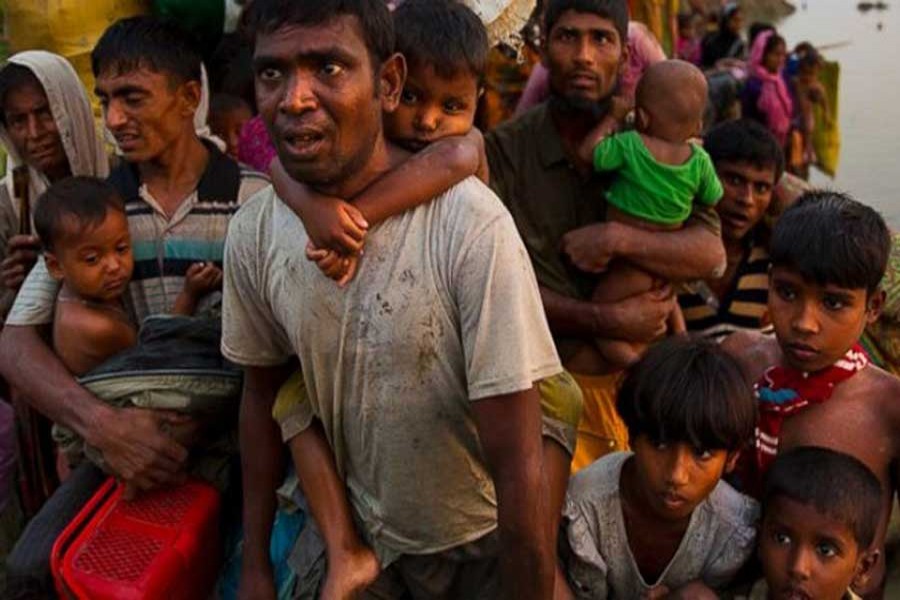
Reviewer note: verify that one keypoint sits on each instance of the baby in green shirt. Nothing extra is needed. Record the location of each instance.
(659, 176)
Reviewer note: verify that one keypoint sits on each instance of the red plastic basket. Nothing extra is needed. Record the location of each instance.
(164, 544)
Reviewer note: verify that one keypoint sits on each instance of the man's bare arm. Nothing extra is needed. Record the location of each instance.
(640, 318)
(694, 252)
(509, 428)
(131, 440)
(262, 467)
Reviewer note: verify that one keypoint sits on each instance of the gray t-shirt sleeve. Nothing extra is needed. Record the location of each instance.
(505, 336)
(36, 299)
(251, 335)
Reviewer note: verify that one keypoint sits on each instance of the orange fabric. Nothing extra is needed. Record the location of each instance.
(601, 429)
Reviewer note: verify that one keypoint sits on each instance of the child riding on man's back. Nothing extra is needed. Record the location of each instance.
(446, 48)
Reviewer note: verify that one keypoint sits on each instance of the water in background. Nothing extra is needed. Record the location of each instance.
(869, 168)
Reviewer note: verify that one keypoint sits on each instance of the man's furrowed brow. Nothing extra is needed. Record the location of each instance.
(123, 90)
(311, 55)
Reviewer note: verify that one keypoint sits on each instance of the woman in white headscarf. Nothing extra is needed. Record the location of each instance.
(48, 130)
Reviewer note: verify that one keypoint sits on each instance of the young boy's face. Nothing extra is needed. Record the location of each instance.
(816, 325)
(95, 263)
(806, 554)
(227, 125)
(674, 478)
(432, 107)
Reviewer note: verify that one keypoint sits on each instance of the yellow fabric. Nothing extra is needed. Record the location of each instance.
(827, 134)
(69, 28)
(291, 408)
(657, 15)
(601, 430)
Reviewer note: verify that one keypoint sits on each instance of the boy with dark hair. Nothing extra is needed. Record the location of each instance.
(749, 163)
(659, 519)
(445, 45)
(820, 514)
(227, 116)
(83, 228)
(814, 383)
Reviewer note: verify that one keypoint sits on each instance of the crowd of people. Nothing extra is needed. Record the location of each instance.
(611, 346)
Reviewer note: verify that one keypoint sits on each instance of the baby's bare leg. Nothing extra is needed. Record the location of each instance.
(623, 280)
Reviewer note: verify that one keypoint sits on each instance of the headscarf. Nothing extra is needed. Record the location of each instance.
(774, 98)
(504, 19)
(724, 43)
(74, 119)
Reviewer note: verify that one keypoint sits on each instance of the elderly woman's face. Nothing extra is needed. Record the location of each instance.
(32, 130)
(747, 194)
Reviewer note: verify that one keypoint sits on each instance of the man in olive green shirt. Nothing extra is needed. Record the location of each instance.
(558, 208)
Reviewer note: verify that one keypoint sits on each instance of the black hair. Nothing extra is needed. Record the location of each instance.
(614, 10)
(830, 238)
(13, 77)
(84, 199)
(772, 42)
(745, 141)
(267, 16)
(444, 34)
(833, 483)
(221, 103)
(809, 59)
(688, 390)
(147, 42)
(756, 28)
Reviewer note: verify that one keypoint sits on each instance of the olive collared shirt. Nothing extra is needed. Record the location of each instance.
(548, 197)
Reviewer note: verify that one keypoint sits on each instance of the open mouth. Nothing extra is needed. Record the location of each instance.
(303, 144)
(127, 141)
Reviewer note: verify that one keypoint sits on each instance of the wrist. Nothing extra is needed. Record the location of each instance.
(96, 416)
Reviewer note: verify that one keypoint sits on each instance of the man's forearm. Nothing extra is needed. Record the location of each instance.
(27, 363)
(579, 318)
(262, 467)
(509, 428)
(687, 254)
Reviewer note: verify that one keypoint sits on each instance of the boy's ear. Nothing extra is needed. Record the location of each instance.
(865, 565)
(53, 266)
(731, 461)
(390, 81)
(874, 305)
